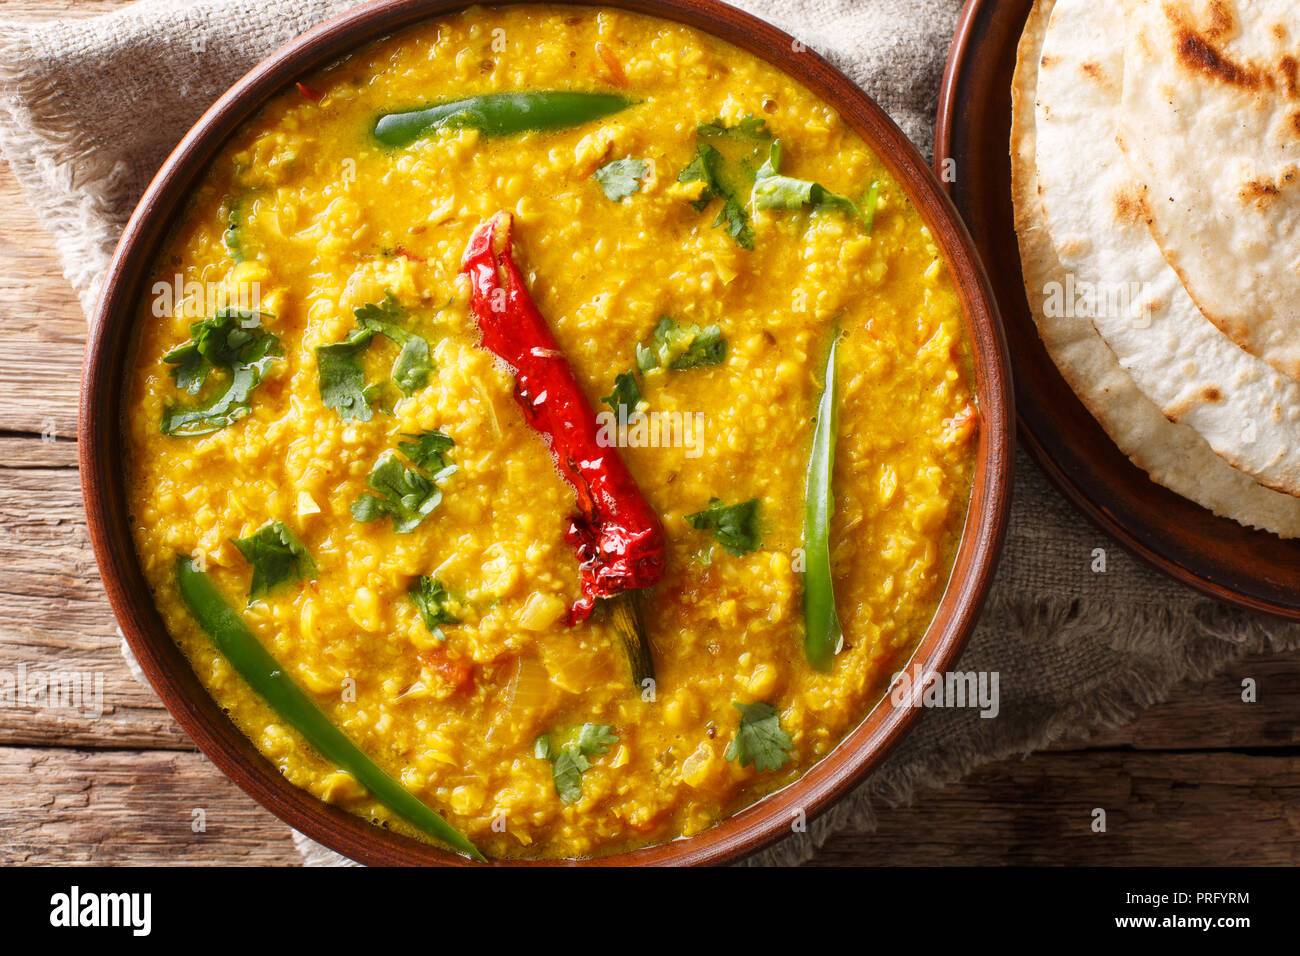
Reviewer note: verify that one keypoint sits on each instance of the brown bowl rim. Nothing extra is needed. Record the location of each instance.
(100, 444)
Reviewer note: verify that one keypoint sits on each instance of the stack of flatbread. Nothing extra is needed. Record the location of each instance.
(1155, 151)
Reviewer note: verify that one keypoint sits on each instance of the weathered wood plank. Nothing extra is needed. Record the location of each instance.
(24, 11)
(1212, 714)
(111, 807)
(23, 451)
(42, 330)
(54, 619)
(1184, 808)
(67, 806)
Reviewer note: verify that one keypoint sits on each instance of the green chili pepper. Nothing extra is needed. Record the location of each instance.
(499, 114)
(824, 636)
(265, 675)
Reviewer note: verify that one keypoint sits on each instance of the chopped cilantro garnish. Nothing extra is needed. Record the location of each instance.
(626, 393)
(736, 219)
(735, 526)
(681, 347)
(728, 176)
(401, 492)
(381, 396)
(408, 494)
(218, 341)
(569, 755)
(703, 169)
(342, 380)
(231, 340)
(759, 739)
(429, 452)
(413, 365)
(774, 191)
(430, 598)
(622, 177)
(749, 127)
(341, 376)
(276, 556)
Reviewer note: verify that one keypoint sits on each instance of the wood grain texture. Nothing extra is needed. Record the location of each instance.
(1203, 778)
(36, 11)
(1215, 808)
(116, 806)
(129, 807)
(42, 330)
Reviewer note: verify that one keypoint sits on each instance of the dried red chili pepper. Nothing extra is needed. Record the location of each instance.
(617, 535)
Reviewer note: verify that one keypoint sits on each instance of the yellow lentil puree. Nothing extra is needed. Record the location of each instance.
(328, 220)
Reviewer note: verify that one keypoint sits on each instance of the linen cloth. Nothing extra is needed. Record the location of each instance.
(89, 108)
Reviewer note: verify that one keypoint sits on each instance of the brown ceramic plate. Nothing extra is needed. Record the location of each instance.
(102, 471)
(1254, 569)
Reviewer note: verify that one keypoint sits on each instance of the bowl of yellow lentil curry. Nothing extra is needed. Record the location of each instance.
(527, 432)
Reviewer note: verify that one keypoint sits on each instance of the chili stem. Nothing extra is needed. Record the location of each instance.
(267, 677)
(624, 612)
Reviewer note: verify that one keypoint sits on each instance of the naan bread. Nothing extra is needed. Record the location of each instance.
(1211, 125)
(1172, 454)
(1096, 215)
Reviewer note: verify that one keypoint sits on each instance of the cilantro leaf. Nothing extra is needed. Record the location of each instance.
(622, 177)
(408, 494)
(703, 169)
(567, 771)
(774, 191)
(413, 365)
(681, 347)
(721, 181)
(215, 342)
(276, 556)
(430, 598)
(341, 379)
(591, 740)
(381, 396)
(388, 311)
(400, 492)
(428, 450)
(191, 368)
(734, 526)
(569, 756)
(736, 219)
(749, 127)
(231, 340)
(626, 393)
(759, 739)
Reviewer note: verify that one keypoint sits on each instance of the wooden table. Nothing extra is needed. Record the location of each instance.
(1202, 779)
